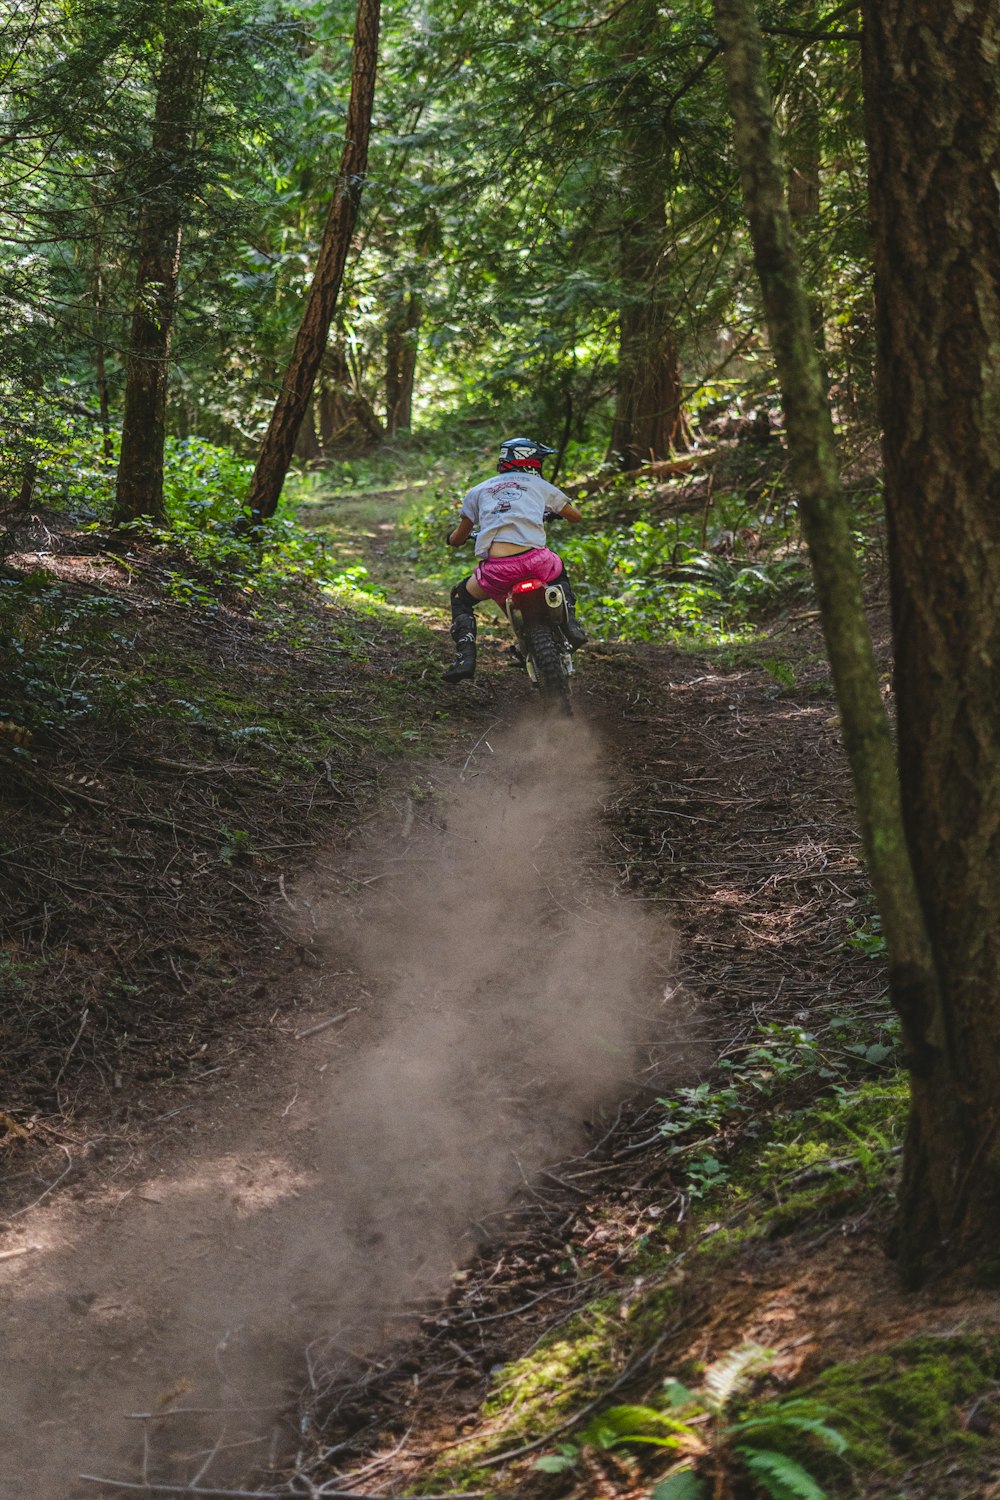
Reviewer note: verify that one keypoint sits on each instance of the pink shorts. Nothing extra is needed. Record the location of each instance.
(497, 575)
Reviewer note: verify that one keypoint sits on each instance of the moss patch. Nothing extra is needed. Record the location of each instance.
(905, 1406)
(531, 1395)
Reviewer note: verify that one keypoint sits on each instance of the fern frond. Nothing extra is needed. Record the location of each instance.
(798, 1414)
(684, 1485)
(640, 1424)
(780, 1476)
(729, 1375)
(678, 1394)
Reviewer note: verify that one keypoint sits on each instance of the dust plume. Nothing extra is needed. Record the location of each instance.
(502, 988)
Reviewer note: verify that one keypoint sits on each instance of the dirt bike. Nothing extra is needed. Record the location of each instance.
(537, 613)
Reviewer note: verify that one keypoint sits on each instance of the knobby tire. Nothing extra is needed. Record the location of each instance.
(553, 683)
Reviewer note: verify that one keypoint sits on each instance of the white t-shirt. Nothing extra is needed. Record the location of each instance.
(509, 508)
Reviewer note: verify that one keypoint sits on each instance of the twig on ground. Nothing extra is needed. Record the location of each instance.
(322, 1025)
(50, 1189)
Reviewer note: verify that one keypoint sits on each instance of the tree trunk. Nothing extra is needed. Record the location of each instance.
(310, 343)
(349, 425)
(827, 526)
(649, 422)
(932, 103)
(100, 338)
(140, 466)
(401, 363)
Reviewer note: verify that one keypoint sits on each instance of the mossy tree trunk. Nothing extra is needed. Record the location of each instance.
(913, 976)
(932, 104)
(311, 340)
(164, 199)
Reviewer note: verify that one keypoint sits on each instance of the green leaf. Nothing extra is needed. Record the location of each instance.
(554, 1463)
(683, 1486)
(636, 1424)
(731, 1374)
(779, 1475)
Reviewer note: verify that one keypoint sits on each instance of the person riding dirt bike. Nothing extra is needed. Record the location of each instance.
(510, 512)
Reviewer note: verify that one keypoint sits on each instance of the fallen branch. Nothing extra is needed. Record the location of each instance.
(186, 1489)
(666, 468)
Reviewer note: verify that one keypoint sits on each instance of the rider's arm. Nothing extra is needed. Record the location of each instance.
(569, 512)
(461, 533)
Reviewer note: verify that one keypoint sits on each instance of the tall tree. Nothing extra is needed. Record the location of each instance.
(913, 980)
(932, 97)
(165, 194)
(310, 343)
(648, 419)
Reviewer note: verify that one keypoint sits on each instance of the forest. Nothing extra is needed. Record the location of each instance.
(408, 1090)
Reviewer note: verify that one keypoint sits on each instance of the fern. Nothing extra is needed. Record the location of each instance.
(780, 1476)
(794, 1415)
(684, 1485)
(730, 1375)
(640, 1424)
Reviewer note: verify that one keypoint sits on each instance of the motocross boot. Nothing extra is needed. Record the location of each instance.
(463, 633)
(572, 630)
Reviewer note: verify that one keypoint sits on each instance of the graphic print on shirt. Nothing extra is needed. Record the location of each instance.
(500, 498)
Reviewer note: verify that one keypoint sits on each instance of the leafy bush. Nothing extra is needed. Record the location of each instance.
(779, 1060)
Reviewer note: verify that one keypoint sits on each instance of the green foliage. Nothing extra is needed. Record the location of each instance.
(61, 653)
(772, 1068)
(683, 1485)
(866, 936)
(703, 1428)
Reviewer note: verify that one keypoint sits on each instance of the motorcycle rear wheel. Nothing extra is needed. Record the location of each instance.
(546, 654)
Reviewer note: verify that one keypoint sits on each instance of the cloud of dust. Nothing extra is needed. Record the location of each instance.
(516, 982)
(509, 987)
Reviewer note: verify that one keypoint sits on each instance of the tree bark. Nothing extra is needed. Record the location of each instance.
(932, 104)
(401, 363)
(348, 424)
(310, 343)
(867, 737)
(100, 338)
(140, 467)
(649, 421)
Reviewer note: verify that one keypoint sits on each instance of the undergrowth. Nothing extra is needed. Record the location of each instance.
(639, 578)
(798, 1130)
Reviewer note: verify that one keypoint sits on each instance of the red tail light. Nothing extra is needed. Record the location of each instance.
(527, 586)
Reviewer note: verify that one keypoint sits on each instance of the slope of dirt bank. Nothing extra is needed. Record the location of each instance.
(186, 756)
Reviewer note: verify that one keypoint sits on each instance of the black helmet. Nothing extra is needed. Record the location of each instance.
(522, 453)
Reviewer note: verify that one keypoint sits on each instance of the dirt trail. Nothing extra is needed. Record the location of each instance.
(490, 998)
